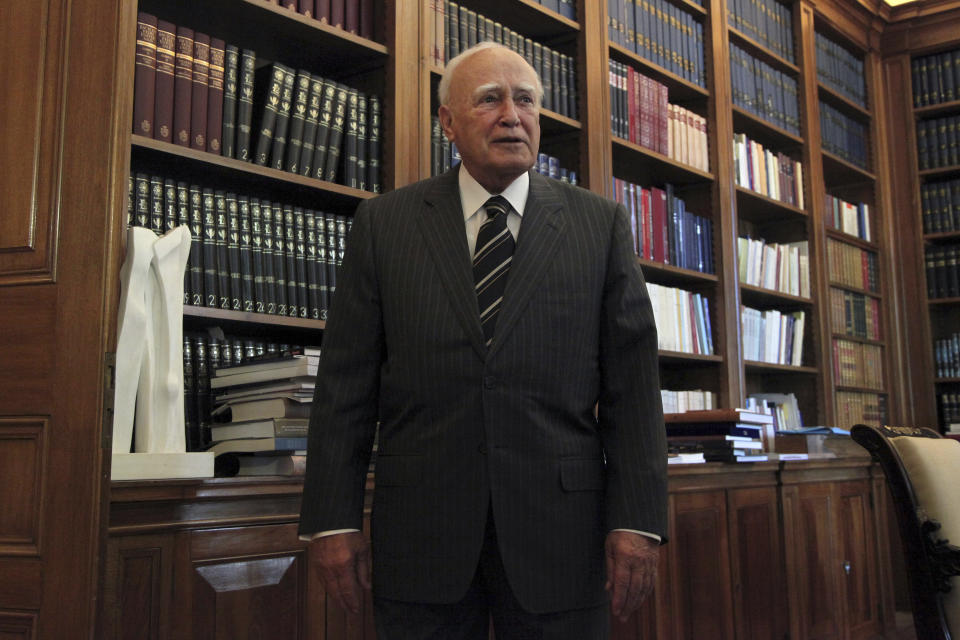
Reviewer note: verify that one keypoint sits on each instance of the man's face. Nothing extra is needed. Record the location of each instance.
(494, 116)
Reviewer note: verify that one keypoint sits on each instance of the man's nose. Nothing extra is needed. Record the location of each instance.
(509, 117)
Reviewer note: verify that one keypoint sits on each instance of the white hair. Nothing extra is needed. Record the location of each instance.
(443, 92)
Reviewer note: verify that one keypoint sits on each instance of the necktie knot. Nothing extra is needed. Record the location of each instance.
(495, 207)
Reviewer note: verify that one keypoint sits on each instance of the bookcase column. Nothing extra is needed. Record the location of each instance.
(593, 80)
(403, 147)
(732, 388)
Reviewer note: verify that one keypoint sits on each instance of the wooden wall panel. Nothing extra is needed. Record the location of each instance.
(21, 484)
(16, 625)
(33, 56)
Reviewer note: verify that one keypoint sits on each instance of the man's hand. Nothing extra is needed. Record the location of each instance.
(343, 562)
(631, 570)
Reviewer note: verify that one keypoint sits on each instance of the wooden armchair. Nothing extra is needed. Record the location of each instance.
(923, 475)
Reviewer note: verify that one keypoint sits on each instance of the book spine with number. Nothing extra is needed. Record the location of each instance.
(233, 253)
(215, 96)
(298, 116)
(256, 257)
(245, 106)
(269, 277)
(373, 144)
(283, 120)
(320, 268)
(145, 75)
(201, 90)
(280, 274)
(290, 258)
(209, 249)
(268, 86)
(361, 141)
(350, 139)
(323, 129)
(166, 66)
(223, 261)
(231, 82)
(156, 204)
(245, 238)
(335, 140)
(312, 116)
(303, 285)
(183, 86)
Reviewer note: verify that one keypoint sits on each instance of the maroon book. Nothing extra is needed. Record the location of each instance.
(198, 101)
(145, 74)
(321, 10)
(351, 20)
(215, 96)
(183, 86)
(166, 63)
(366, 19)
(337, 10)
(305, 7)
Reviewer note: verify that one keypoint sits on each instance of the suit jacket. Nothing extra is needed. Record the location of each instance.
(557, 427)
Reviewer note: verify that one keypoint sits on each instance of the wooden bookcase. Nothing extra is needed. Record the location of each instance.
(926, 319)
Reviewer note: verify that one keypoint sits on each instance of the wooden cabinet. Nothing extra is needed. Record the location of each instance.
(221, 559)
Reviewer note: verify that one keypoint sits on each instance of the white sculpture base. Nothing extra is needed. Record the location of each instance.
(158, 466)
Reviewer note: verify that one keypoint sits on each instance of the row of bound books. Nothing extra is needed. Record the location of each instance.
(938, 142)
(854, 314)
(766, 21)
(852, 266)
(248, 254)
(782, 407)
(843, 136)
(946, 354)
(772, 336)
(355, 16)
(203, 355)
(683, 320)
(720, 435)
(840, 69)
(856, 364)
(852, 219)
(640, 112)
(661, 32)
(854, 407)
(936, 78)
(943, 273)
(763, 91)
(783, 267)
(687, 400)
(775, 175)
(663, 229)
(456, 28)
(196, 91)
(940, 206)
(950, 411)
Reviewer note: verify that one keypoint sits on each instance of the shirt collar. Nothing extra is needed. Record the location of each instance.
(472, 195)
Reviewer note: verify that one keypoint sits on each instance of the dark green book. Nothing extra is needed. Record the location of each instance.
(313, 287)
(323, 129)
(303, 285)
(233, 253)
(183, 218)
(223, 261)
(335, 141)
(283, 121)
(373, 144)
(257, 257)
(320, 269)
(290, 256)
(305, 165)
(350, 137)
(156, 205)
(231, 81)
(280, 274)
(195, 261)
(298, 116)
(246, 254)
(244, 124)
(209, 250)
(268, 90)
(191, 425)
(169, 205)
(362, 141)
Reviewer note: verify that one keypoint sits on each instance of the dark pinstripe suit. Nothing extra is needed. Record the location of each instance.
(462, 425)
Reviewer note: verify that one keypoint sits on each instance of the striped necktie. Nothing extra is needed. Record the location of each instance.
(491, 263)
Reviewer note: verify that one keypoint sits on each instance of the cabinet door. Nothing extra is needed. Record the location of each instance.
(252, 583)
(856, 538)
(756, 569)
(700, 566)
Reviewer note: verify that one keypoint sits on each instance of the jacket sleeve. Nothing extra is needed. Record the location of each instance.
(630, 412)
(344, 416)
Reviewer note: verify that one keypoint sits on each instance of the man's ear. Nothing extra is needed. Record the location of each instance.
(446, 119)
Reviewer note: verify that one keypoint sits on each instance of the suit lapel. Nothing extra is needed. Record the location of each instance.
(540, 232)
(442, 226)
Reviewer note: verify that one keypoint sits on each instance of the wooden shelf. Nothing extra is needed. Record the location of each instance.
(953, 380)
(771, 298)
(840, 236)
(647, 167)
(847, 287)
(755, 366)
(941, 237)
(939, 172)
(529, 18)
(758, 50)
(251, 319)
(766, 133)
(678, 357)
(842, 102)
(933, 110)
(838, 172)
(856, 389)
(681, 91)
(761, 209)
(943, 301)
(844, 336)
(672, 275)
(185, 163)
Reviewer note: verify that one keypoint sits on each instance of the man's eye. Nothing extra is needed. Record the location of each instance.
(490, 98)
(525, 99)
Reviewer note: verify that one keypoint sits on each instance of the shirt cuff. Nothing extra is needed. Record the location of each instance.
(309, 537)
(643, 533)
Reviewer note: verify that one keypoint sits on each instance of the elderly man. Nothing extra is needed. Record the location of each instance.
(497, 326)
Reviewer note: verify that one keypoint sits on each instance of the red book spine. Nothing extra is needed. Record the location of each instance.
(351, 21)
(337, 11)
(215, 96)
(631, 105)
(145, 74)
(663, 144)
(305, 7)
(659, 203)
(183, 86)
(645, 222)
(166, 63)
(366, 19)
(321, 10)
(198, 101)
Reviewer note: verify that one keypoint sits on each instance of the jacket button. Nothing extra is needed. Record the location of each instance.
(489, 382)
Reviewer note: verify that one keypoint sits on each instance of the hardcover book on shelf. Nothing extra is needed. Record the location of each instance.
(166, 65)
(262, 408)
(270, 427)
(261, 464)
(244, 123)
(200, 91)
(231, 87)
(145, 75)
(282, 125)
(215, 96)
(252, 445)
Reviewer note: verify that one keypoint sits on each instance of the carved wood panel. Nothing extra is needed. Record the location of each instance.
(857, 536)
(819, 614)
(21, 484)
(16, 625)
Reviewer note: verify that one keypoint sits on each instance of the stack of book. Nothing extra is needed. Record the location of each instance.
(263, 408)
(721, 435)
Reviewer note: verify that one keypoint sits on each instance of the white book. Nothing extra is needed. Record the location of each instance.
(797, 354)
